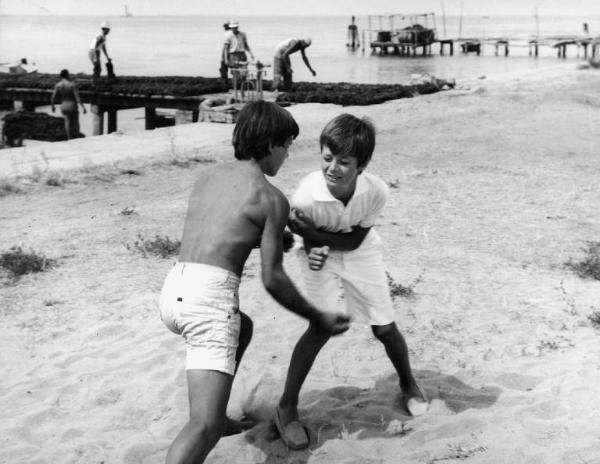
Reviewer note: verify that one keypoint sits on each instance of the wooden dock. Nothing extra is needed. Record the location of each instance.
(502, 45)
(104, 102)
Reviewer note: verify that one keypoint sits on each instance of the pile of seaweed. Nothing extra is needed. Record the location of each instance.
(34, 126)
(178, 86)
(184, 86)
(358, 94)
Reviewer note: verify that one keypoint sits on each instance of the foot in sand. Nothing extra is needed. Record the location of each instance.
(292, 432)
(233, 426)
(414, 400)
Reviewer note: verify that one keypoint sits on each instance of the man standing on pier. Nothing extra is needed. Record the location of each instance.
(235, 46)
(282, 66)
(97, 45)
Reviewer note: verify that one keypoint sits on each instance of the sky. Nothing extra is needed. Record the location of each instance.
(306, 7)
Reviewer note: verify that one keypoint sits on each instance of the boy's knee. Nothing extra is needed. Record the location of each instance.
(205, 429)
(384, 332)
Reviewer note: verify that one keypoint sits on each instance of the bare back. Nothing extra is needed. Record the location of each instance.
(226, 216)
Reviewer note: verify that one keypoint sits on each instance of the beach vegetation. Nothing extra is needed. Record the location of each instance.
(403, 291)
(7, 188)
(55, 179)
(589, 266)
(594, 319)
(127, 211)
(19, 262)
(163, 247)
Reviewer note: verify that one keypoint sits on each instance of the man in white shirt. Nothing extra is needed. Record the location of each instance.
(235, 46)
(97, 45)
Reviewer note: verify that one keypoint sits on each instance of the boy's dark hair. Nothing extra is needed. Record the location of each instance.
(64, 74)
(350, 135)
(259, 124)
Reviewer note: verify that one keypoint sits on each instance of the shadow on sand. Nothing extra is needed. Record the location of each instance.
(357, 413)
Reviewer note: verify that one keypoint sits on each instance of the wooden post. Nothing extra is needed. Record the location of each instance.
(150, 118)
(97, 119)
(112, 120)
(506, 49)
(195, 115)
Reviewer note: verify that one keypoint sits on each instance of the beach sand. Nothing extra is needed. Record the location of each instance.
(494, 186)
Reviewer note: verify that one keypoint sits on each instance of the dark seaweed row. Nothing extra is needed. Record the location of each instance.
(355, 94)
(182, 86)
(178, 86)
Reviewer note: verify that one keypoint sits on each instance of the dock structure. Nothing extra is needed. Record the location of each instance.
(403, 34)
(102, 103)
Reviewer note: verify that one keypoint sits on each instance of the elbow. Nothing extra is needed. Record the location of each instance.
(272, 281)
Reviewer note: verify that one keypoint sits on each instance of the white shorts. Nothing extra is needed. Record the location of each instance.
(201, 303)
(362, 276)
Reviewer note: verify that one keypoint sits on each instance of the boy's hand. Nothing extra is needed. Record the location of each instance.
(317, 257)
(333, 323)
(299, 223)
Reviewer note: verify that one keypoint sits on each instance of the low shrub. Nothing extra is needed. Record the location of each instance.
(589, 266)
(19, 262)
(163, 247)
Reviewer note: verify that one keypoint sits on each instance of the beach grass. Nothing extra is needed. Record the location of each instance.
(19, 262)
(589, 266)
(161, 246)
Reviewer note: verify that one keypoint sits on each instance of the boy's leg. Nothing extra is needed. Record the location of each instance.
(303, 357)
(208, 393)
(397, 351)
(246, 329)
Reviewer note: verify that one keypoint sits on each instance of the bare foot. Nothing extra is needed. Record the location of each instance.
(414, 400)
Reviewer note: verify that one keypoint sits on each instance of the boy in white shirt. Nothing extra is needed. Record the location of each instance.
(334, 211)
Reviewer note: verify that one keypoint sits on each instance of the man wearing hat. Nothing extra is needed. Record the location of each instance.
(282, 66)
(98, 44)
(236, 45)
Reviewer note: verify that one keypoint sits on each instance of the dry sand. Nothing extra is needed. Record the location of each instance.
(494, 187)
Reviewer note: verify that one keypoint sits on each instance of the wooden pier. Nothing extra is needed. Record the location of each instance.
(501, 46)
(102, 103)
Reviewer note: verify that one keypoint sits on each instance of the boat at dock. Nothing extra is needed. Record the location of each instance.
(403, 33)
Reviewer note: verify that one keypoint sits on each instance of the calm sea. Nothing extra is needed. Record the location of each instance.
(191, 45)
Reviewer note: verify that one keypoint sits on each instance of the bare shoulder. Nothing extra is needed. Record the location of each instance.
(277, 201)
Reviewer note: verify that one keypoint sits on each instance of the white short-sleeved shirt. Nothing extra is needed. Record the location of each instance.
(236, 42)
(328, 213)
(362, 271)
(98, 42)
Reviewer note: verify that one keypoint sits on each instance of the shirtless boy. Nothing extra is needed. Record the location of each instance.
(232, 209)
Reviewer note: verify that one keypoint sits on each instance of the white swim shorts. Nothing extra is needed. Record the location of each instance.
(364, 282)
(201, 303)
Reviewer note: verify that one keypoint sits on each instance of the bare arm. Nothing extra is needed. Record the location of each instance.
(105, 52)
(78, 99)
(306, 62)
(277, 282)
(247, 46)
(343, 241)
(53, 97)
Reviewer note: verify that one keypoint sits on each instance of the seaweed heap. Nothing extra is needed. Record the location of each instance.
(178, 86)
(36, 126)
(358, 94)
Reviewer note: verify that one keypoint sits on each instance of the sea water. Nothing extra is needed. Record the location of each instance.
(191, 45)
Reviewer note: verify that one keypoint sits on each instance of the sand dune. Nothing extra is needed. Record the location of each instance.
(494, 186)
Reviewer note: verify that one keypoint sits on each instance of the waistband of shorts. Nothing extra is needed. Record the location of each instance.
(183, 267)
